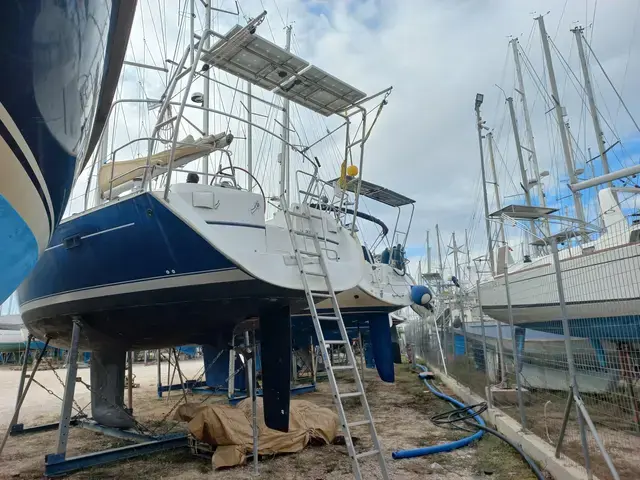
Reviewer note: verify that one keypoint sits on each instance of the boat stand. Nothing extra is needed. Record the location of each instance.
(58, 464)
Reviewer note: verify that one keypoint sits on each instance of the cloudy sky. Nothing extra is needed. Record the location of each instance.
(437, 54)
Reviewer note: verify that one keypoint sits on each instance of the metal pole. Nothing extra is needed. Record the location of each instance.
(231, 381)
(523, 171)
(592, 105)
(158, 360)
(569, 351)
(23, 373)
(251, 391)
(361, 353)
(496, 186)
(529, 131)
(69, 389)
(183, 380)
(514, 346)
(577, 197)
(487, 225)
(130, 380)
(206, 91)
(16, 412)
(314, 366)
(484, 338)
(284, 155)
(249, 137)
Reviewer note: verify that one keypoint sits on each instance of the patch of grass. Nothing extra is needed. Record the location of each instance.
(498, 459)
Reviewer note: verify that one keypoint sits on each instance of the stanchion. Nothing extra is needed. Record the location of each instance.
(514, 346)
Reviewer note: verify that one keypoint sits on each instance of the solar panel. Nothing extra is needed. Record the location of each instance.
(257, 60)
(253, 58)
(378, 193)
(319, 91)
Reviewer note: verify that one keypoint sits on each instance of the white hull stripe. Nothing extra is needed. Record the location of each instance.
(169, 281)
(96, 234)
(13, 130)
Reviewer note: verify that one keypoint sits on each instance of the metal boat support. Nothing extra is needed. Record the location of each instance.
(57, 465)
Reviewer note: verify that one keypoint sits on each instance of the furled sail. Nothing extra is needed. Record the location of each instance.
(188, 150)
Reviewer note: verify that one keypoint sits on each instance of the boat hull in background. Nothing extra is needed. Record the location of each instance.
(61, 62)
(598, 306)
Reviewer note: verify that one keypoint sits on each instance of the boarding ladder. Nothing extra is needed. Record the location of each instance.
(304, 212)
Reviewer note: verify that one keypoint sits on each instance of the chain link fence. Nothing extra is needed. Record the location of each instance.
(577, 389)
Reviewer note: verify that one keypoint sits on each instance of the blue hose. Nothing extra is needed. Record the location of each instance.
(445, 447)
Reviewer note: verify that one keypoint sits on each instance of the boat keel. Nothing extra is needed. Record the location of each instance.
(107, 388)
(275, 331)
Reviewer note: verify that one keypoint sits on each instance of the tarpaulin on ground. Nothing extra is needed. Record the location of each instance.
(229, 429)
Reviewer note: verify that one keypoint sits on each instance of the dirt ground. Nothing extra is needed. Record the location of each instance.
(401, 412)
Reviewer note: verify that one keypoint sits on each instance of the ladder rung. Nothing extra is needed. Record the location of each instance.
(324, 317)
(335, 342)
(350, 394)
(315, 274)
(367, 454)
(358, 423)
(311, 254)
(304, 234)
(320, 294)
(342, 367)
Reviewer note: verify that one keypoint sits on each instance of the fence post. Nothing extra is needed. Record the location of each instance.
(484, 337)
(573, 384)
(523, 417)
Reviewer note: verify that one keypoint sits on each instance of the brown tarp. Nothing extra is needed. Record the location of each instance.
(229, 429)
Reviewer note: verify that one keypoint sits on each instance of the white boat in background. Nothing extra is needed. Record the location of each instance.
(61, 63)
(597, 304)
(602, 298)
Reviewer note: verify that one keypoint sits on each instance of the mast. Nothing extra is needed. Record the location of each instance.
(249, 138)
(592, 103)
(205, 92)
(439, 258)
(496, 187)
(428, 254)
(456, 265)
(531, 146)
(577, 197)
(284, 155)
(523, 170)
(479, 99)
(466, 242)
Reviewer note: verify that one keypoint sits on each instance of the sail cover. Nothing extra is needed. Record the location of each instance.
(187, 150)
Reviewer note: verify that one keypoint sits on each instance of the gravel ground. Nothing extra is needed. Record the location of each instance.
(401, 412)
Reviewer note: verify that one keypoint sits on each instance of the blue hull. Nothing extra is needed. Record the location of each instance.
(140, 278)
(624, 328)
(61, 62)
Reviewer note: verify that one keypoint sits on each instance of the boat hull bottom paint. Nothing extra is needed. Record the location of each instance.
(107, 388)
(374, 325)
(161, 318)
(548, 318)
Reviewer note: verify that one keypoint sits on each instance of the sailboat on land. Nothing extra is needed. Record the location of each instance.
(600, 301)
(170, 262)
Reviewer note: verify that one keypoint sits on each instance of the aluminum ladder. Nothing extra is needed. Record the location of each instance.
(304, 212)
